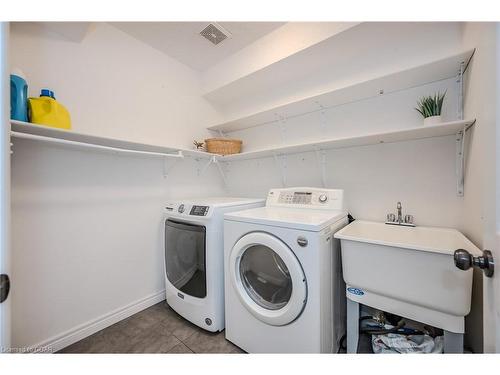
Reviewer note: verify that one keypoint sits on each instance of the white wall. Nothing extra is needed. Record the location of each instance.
(87, 234)
(387, 112)
(281, 43)
(5, 233)
(87, 231)
(114, 85)
(360, 53)
(478, 216)
(374, 179)
(420, 174)
(46, 181)
(496, 249)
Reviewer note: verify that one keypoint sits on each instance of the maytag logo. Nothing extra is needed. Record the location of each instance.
(356, 291)
(180, 295)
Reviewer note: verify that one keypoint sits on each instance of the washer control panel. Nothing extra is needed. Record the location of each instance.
(331, 199)
(199, 210)
(182, 209)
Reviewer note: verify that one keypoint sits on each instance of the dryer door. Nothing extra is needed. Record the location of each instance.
(268, 278)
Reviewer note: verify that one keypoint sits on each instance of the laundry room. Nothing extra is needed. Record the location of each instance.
(254, 186)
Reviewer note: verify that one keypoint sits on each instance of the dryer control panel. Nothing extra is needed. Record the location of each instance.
(328, 199)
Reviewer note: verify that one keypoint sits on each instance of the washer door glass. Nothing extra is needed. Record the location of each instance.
(185, 257)
(265, 277)
(268, 278)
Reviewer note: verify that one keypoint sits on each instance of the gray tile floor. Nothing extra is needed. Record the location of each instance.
(157, 329)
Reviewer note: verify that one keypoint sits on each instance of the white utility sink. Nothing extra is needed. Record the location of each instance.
(408, 271)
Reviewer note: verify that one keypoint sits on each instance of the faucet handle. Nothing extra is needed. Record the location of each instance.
(391, 218)
(409, 219)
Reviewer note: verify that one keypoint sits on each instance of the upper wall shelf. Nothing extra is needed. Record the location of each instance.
(78, 140)
(437, 70)
(443, 129)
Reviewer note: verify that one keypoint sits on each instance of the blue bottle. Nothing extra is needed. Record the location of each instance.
(18, 98)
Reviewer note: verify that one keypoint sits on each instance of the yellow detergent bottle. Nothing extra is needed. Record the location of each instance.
(46, 110)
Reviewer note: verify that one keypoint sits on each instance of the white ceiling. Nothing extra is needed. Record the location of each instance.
(74, 31)
(182, 41)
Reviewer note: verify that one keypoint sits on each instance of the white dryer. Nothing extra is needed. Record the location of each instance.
(284, 291)
(194, 257)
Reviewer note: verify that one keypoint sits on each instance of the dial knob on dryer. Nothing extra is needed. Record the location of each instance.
(323, 198)
(181, 209)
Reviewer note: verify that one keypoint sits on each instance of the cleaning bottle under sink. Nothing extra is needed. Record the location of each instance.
(46, 110)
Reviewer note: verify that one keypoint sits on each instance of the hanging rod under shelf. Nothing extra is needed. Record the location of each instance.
(179, 153)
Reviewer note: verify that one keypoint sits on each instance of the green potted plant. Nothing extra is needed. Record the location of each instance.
(430, 107)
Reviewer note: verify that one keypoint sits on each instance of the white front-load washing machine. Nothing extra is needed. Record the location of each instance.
(284, 291)
(194, 257)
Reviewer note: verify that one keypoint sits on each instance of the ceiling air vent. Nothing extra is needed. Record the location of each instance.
(215, 33)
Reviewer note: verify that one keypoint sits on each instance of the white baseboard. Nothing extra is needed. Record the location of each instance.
(78, 333)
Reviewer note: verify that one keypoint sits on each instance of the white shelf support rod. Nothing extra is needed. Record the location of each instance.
(460, 83)
(460, 161)
(322, 110)
(321, 158)
(93, 146)
(283, 129)
(221, 171)
(167, 166)
(213, 159)
(460, 157)
(323, 121)
(281, 165)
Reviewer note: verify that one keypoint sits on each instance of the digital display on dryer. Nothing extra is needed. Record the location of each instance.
(302, 197)
(199, 211)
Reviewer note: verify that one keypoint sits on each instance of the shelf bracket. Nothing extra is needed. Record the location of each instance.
(214, 160)
(460, 161)
(281, 165)
(321, 158)
(205, 167)
(282, 122)
(460, 157)
(323, 121)
(167, 167)
(322, 110)
(221, 170)
(460, 97)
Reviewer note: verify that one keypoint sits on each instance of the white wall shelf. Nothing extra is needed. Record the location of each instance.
(457, 128)
(68, 138)
(421, 132)
(419, 75)
(77, 140)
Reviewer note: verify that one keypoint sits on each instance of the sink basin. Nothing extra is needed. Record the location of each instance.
(408, 271)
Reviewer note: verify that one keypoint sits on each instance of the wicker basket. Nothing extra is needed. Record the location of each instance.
(223, 146)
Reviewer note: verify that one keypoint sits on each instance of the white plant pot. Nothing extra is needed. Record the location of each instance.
(433, 120)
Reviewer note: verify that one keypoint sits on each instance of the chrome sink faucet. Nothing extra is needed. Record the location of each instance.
(407, 221)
